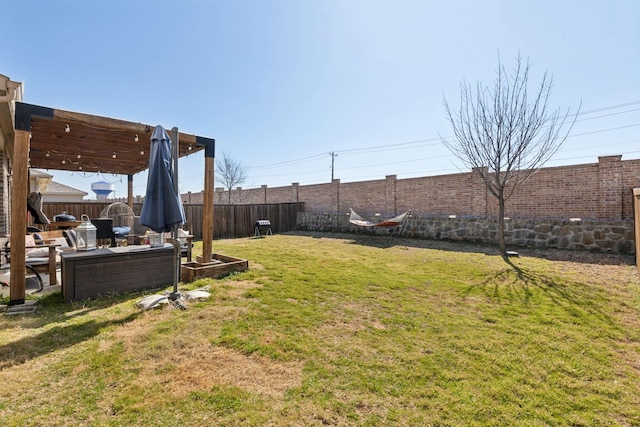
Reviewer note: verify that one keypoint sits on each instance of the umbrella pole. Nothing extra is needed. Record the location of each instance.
(174, 233)
(177, 260)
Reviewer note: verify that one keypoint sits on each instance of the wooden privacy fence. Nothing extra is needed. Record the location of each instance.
(92, 209)
(229, 221)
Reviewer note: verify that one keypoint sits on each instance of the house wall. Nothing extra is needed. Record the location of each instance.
(6, 129)
(69, 198)
(5, 192)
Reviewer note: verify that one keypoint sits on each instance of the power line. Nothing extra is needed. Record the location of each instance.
(288, 162)
(428, 142)
(608, 115)
(437, 140)
(611, 107)
(603, 130)
(390, 146)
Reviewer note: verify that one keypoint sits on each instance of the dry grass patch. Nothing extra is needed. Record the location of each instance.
(193, 364)
(351, 317)
(201, 367)
(238, 289)
(255, 265)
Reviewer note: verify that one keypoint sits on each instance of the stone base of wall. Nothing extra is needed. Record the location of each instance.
(573, 235)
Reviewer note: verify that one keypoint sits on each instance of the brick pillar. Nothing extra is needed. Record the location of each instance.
(610, 188)
(391, 194)
(294, 191)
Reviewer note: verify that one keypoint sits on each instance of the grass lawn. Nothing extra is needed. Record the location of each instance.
(342, 330)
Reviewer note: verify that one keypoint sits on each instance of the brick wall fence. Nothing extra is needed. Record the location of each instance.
(597, 196)
(600, 191)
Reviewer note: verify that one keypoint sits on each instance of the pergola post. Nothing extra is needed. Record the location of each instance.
(19, 194)
(130, 190)
(207, 203)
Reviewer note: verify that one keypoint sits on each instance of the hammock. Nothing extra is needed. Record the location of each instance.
(356, 219)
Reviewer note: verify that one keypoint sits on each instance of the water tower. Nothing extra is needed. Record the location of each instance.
(102, 190)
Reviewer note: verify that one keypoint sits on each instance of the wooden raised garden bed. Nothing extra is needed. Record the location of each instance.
(220, 265)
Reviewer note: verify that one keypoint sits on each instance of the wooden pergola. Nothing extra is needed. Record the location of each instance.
(48, 138)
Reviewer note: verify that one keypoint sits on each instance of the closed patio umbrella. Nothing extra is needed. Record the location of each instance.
(161, 210)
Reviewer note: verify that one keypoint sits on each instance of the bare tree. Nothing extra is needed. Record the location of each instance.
(229, 173)
(504, 135)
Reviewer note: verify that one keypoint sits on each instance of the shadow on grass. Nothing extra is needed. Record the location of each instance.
(519, 282)
(551, 254)
(385, 242)
(69, 326)
(55, 338)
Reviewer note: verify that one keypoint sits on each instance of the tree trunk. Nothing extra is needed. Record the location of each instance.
(502, 246)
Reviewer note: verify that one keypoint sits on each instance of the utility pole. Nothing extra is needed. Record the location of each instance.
(333, 155)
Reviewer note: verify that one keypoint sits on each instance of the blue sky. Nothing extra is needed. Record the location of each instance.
(280, 84)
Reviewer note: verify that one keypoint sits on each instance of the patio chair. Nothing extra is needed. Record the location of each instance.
(42, 258)
(186, 244)
(104, 230)
(122, 216)
(38, 263)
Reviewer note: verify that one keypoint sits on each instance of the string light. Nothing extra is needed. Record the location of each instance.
(136, 139)
(114, 155)
(47, 155)
(190, 147)
(67, 129)
(78, 156)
